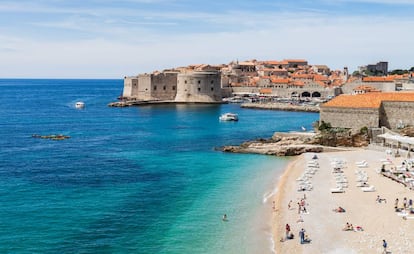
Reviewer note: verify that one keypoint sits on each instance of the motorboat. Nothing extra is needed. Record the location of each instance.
(229, 117)
(79, 104)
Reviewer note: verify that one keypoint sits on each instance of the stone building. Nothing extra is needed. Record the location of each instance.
(372, 110)
(380, 68)
(199, 86)
(188, 86)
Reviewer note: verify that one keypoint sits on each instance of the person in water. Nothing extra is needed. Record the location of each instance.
(225, 217)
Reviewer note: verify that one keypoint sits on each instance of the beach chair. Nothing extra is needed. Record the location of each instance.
(337, 190)
(368, 189)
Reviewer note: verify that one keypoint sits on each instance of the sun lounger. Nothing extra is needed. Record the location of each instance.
(368, 189)
(337, 190)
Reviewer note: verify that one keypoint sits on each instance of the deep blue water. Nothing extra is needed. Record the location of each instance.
(130, 180)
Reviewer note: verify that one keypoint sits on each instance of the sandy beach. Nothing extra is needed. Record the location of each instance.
(323, 226)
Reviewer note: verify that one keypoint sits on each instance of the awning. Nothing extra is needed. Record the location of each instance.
(397, 138)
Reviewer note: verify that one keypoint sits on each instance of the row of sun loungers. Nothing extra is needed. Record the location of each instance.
(362, 181)
(304, 180)
(339, 176)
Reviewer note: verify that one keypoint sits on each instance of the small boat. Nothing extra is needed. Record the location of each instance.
(303, 128)
(229, 117)
(79, 104)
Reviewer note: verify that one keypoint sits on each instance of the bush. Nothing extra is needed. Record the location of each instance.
(324, 126)
(363, 130)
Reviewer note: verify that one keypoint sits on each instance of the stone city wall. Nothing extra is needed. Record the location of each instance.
(350, 117)
(395, 115)
(164, 85)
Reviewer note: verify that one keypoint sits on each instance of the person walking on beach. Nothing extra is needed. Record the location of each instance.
(396, 204)
(302, 236)
(385, 245)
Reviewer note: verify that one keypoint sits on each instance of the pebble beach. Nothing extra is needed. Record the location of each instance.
(372, 221)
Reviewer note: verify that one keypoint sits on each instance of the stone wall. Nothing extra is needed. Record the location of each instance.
(199, 87)
(350, 117)
(144, 88)
(164, 85)
(284, 91)
(129, 83)
(347, 88)
(395, 115)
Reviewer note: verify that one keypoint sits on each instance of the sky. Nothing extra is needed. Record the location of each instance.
(117, 38)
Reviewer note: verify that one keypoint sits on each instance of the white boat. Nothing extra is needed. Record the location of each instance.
(79, 104)
(229, 117)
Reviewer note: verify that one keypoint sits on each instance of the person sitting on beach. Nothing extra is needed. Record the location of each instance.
(358, 228)
(380, 200)
(300, 219)
(346, 228)
(339, 210)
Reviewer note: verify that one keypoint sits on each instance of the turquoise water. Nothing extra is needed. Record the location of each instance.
(131, 180)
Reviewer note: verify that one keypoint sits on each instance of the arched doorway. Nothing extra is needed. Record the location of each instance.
(306, 94)
(316, 94)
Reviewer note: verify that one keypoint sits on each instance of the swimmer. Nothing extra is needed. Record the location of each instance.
(225, 217)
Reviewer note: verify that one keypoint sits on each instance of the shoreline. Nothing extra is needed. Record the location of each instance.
(325, 226)
(278, 197)
(281, 106)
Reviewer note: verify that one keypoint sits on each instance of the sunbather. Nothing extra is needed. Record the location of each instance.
(347, 227)
(380, 200)
(339, 210)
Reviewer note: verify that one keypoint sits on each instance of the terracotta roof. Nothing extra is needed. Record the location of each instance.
(366, 88)
(296, 60)
(298, 83)
(368, 100)
(265, 91)
(318, 77)
(280, 80)
(302, 76)
(378, 79)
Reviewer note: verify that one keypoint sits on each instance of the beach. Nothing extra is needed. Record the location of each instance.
(372, 221)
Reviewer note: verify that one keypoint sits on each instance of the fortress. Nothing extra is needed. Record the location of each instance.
(175, 86)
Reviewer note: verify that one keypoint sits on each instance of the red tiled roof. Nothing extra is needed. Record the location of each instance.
(378, 79)
(368, 100)
(265, 91)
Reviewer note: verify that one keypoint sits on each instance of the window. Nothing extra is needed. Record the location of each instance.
(212, 89)
(155, 88)
(199, 81)
(212, 82)
(173, 88)
(185, 81)
(164, 88)
(199, 89)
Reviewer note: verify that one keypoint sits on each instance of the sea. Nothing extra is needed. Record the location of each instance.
(145, 179)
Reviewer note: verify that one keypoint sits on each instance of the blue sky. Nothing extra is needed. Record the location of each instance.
(112, 39)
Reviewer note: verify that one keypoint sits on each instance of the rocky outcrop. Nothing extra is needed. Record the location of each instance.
(289, 144)
(281, 144)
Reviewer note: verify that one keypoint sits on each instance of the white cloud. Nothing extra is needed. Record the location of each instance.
(121, 45)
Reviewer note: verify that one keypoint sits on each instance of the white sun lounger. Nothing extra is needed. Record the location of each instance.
(368, 189)
(337, 190)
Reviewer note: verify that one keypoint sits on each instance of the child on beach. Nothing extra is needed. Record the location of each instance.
(385, 245)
